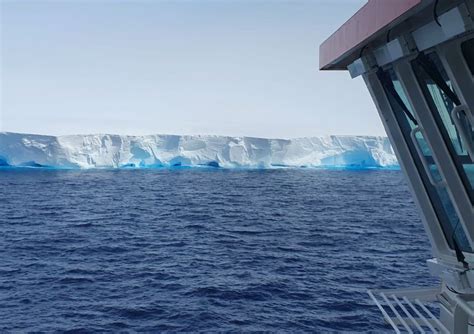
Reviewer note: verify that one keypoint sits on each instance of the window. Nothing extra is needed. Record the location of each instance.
(468, 52)
(442, 99)
(450, 222)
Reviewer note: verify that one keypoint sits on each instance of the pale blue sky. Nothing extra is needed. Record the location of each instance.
(181, 67)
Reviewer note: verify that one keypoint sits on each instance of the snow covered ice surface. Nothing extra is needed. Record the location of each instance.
(116, 151)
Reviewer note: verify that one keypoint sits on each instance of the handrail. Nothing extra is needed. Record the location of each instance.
(394, 310)
(384, 313)
(406, 313)
(455, 115)
(464, 305)
(424, 161)
(441, 327)
(418, 313)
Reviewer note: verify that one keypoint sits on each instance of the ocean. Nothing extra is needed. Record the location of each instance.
(204, 249)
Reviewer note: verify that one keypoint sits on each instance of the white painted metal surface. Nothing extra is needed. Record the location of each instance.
(410, 310)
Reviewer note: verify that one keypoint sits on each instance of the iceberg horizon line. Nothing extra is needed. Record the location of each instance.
(197, 167)
(19, 150)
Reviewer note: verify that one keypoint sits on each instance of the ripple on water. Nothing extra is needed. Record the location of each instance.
(186, 250)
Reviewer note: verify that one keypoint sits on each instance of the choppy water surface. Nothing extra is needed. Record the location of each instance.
(204, 250)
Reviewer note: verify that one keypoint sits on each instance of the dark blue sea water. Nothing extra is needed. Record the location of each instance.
(289, 250)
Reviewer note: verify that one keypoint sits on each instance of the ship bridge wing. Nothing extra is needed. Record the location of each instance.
(417, 59)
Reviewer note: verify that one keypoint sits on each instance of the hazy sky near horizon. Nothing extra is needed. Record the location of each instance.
(229, 67)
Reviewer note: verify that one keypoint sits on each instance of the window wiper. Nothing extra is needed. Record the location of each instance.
(430, 69)
(388, 84)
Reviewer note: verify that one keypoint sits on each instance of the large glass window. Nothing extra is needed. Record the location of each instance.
(468, 52)
(445, 211)
(442, 99)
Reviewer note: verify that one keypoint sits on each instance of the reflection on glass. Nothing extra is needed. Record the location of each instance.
(444, 105)
(470, 172)
(450, 222)
(398, 88)
(440, 93)
(468, 52)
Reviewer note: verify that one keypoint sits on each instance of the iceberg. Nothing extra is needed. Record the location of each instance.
(153, 151)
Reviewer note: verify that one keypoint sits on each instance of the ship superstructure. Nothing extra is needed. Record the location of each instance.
(417, 60)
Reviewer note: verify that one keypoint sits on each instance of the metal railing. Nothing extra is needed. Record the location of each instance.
(410, 310)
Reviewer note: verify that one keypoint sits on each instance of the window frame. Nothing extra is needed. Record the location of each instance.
(403, 114)
(459, 160)
(441, 155)
(416, 184)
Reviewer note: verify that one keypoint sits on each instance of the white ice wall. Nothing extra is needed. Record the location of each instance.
(113, 151)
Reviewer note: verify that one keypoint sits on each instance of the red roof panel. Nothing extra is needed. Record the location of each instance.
(374, 16)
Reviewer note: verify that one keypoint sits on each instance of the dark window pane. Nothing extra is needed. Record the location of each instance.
(468, 52)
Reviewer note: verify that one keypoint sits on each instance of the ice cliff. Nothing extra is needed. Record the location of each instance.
(115, 151)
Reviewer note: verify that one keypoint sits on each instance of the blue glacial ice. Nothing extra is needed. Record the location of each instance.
(155, 151)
